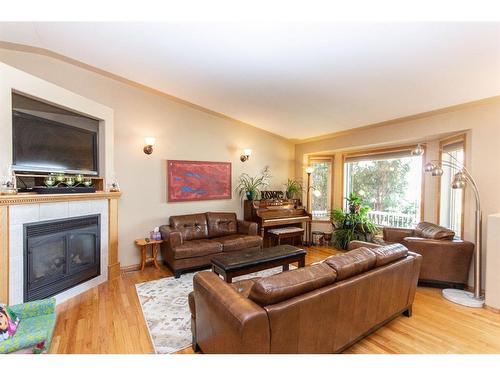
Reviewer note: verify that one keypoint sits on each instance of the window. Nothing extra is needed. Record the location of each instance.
(390, 183)
(321, 188)
(451, 200)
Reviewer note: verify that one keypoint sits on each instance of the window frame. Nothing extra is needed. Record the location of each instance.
(442, 144)
(388, 150)
(310, 161)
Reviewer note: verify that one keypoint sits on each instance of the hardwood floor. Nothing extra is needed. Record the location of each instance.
(108, 319)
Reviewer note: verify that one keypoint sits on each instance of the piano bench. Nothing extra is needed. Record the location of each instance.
(293, 233)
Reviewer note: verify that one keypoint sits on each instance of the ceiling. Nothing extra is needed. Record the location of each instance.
(297, 80)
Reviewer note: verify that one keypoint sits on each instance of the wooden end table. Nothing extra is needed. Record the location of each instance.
(143, 244)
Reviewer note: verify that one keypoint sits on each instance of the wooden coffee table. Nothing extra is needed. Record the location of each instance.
(229, 265)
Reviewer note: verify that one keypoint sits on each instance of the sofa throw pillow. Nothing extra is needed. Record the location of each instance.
(8, 322)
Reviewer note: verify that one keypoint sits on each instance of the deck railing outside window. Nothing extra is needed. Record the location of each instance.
(393, 219)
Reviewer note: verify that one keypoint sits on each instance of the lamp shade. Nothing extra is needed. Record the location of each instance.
(149, 141)
(437, 172)
(429, 167)
(458, 181)
(247, 151)
(418, 150)
(309, 170)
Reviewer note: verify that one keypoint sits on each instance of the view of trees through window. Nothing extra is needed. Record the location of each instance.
(321, 188)
(391, 187)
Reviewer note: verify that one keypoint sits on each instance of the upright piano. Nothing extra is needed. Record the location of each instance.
(275, 211)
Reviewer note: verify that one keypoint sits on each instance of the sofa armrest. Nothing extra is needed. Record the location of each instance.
(397, 234)
(35, 308)
(171, 237)
(226, 321)
(247, 227)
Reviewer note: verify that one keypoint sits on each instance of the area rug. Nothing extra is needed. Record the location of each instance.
(165, 307)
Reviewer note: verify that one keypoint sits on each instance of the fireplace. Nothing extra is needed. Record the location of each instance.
(60, 254)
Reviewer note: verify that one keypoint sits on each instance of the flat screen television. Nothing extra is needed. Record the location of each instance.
(45, 145)
(42, 145)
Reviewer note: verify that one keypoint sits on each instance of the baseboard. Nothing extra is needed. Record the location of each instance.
(492, 309)
(131, 268)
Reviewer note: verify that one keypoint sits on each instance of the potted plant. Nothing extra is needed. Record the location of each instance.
(250, 187)
(293, 189)
(353, 224)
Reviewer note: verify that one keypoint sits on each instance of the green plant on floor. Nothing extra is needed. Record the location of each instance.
(293, 189)
(250, 187)
(353, 224)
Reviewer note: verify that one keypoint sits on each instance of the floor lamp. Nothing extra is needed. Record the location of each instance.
(309, 170)
(461, 179)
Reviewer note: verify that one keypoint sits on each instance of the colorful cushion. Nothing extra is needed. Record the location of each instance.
(8, 323)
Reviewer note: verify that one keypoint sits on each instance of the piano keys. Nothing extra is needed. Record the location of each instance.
(277, 212)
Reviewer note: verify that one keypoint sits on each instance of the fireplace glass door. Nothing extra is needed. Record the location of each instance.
(60, 254)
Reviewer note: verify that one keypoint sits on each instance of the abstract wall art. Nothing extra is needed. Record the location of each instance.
(198, 180)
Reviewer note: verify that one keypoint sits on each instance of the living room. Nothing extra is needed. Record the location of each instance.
(204, 186)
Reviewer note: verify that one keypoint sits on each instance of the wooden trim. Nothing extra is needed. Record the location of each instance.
(113, 262)
(442, 143)
(380, 150)
(21, 198)
(493, 309)
(4, 254)
(331, 159)
(131, 268)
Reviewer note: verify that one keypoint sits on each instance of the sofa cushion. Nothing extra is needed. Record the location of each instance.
(192, 227)
(197, 248)
(389, 253)
(282, 286)
(433, 231)
(236, 242)
(221, 223)
(352, 263)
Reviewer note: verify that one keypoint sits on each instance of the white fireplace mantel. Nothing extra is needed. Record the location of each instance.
(17, 210)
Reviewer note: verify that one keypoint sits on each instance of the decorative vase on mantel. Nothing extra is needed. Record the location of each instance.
(250, 195)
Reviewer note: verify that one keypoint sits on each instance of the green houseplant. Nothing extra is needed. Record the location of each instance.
(293, 188)
(352, 224)
(251, 187)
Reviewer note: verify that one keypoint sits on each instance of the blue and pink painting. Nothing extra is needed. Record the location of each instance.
(198, 180)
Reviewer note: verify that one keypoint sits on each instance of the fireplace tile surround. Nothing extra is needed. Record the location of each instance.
(31, 213)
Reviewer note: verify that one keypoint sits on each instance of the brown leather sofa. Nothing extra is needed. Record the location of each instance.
(446, 261)
(320, 308)
(190, 241)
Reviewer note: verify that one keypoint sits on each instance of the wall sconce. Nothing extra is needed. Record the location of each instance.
(246, 154)
(149, 143)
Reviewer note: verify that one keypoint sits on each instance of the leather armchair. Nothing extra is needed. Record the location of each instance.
(446, 261)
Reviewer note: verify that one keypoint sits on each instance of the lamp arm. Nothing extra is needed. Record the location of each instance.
(468, 176)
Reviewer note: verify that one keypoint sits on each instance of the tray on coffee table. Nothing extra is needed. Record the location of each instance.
(229, 265)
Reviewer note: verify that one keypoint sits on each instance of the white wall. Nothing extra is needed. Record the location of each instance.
(182, 131)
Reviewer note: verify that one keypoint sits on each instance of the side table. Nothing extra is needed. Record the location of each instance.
(143, 245)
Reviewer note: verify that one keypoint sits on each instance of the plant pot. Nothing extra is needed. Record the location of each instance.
(249, 195)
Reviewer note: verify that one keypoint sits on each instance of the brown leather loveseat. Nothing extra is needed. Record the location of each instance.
(320, 308)
(190, 241)
(446, 261)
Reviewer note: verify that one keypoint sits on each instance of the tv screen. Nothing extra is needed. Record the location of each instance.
(44, 145)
